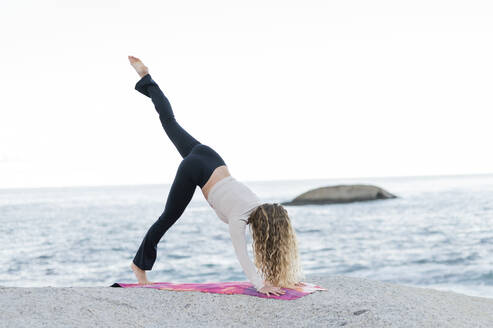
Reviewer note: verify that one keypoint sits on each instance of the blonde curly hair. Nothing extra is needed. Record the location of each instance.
(275, 246)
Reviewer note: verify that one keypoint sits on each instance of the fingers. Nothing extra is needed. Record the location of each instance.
(275, 291)
(279, 291)
(268, 290)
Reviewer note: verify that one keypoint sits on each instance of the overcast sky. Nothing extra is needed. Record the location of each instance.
(281, 89)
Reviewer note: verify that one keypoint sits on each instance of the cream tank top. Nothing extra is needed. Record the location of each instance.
(233, 201)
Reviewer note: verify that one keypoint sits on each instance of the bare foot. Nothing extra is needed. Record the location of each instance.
(138, 65)
(140, 274)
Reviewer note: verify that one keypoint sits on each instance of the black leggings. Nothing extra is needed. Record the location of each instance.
(199, 161)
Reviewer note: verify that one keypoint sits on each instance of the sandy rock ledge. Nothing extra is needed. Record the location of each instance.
(349, 302)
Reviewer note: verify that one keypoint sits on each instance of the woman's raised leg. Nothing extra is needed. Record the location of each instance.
(182, 140)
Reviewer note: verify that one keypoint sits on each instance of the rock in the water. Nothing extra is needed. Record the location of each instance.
(340, 194)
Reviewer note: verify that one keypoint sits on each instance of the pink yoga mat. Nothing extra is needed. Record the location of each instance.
(233, 287)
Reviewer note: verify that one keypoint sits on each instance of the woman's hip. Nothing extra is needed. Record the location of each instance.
(201, 163)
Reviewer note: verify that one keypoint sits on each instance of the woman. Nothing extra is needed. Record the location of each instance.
(274, 240)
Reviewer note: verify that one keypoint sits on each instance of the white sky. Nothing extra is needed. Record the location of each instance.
(281, 89)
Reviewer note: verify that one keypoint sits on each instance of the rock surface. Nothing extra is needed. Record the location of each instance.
(341, 194)
(348, 302)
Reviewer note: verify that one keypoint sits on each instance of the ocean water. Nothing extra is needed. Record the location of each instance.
(438, 234)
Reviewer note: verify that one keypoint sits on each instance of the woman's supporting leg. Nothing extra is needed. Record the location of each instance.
(182, 140)
(179, 196)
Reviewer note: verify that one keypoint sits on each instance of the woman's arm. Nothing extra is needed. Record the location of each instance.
(237, 230)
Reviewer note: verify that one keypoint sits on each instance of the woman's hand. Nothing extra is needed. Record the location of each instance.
(297, 284)
(272, 290)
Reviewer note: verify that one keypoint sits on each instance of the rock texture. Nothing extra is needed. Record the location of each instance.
(341, 194)
(348, 302)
